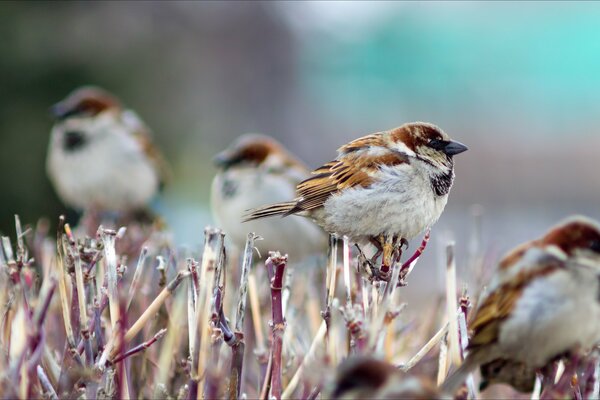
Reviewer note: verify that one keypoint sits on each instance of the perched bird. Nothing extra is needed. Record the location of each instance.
(517, 374)
(542, 303)
(100, 154)
(254, 170)
(370, 378)
(391, 184)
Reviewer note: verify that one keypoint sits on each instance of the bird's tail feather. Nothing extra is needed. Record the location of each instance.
(282, 209)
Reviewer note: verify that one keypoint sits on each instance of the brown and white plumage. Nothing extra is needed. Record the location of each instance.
(542, 302)
(254, 170)
(361, 377)
(388, 183)
(101, 155)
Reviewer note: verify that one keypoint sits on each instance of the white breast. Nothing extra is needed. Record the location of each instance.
(236, 191)
(401, 203)
(556, 313)
(111, 172)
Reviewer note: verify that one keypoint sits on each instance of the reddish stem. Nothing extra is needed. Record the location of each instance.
(406, 266)
(276, 267)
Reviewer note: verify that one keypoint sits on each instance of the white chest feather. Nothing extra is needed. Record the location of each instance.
(109, 171)
(402, 202)
(555, 314)
(236, 191)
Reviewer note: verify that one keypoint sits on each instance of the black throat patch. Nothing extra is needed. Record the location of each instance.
(442, 183)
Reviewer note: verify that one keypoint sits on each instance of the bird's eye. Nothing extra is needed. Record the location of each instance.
(436, 143)
(595, 245)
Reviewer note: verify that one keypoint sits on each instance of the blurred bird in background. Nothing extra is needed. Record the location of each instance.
(370, 378)
(101, 158)
(255, 170)
(542, 304)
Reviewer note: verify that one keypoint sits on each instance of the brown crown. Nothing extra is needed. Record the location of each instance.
(86, 100)
(575, 233)
(417, 134)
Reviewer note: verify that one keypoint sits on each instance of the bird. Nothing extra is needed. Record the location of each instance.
(253, 170)
(366, 377)
(382, 188)
(542, 303)
(518, 375)
(101, 156)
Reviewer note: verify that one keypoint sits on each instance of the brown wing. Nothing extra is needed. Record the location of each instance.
(499, 304)
(354, 167)
(142, 134)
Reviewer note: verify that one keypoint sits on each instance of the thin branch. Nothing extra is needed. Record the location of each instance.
(108, 239)
(451, 305)
(135, 282)
(426, 348)
(140, 347)
(237, 357)
(45, 382)
(276, 265)
(155, 305)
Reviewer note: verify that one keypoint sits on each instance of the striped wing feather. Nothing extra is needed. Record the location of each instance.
(499, 304)
(354, 167)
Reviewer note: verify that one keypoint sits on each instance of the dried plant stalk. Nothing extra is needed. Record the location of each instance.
(213, 248)
(346, 261)
(238, 348)
(135, 282)
(45, 383)
(443, 361)
(451, 305)
(256, 314)
(110, 257)
(140, 347)
(155, 305)
(426, 348)
(276, 264)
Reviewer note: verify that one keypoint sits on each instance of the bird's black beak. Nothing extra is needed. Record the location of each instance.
(61, 111)
(225, 159)
(452, 148)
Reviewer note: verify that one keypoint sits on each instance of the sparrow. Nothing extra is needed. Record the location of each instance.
(382, 188)
(256, 169)
(363, 377)
(101, 155)
(517, 374)
(542, 303)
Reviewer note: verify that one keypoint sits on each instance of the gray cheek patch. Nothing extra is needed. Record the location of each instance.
(229, 188)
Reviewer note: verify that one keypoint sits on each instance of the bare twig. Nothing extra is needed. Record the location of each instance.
(409, 264)
(108, 238)
(135, 282)
(276, 265)
(140, 347)
(45, 382)
(155, 305)
(426, 348)
(237, 357)
(213, 250)
(346, 260)
(443, 360)
(451, 305)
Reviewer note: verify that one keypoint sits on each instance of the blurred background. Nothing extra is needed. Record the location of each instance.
(519, 83)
